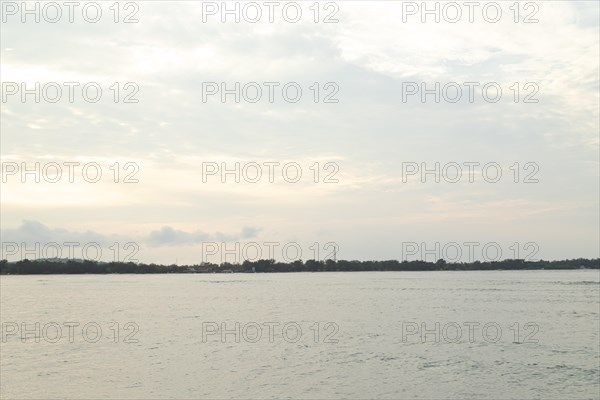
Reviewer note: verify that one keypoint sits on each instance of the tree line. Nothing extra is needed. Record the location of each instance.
(25, 267)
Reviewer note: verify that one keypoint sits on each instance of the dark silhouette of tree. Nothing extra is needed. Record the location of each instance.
(25, 266)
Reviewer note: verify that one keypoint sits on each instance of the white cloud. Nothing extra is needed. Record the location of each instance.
(369, 133)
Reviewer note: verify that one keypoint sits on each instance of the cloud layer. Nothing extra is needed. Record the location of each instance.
(370, 133)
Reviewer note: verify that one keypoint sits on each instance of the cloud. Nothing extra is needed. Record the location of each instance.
(167, 235)
(31, 232)
(370, 132)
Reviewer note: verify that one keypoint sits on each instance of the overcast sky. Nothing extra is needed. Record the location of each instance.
(370, 58)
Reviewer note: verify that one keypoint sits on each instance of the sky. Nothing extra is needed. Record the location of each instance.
(333, 166)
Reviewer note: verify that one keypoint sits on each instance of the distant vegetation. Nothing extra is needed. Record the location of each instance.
(25, 267)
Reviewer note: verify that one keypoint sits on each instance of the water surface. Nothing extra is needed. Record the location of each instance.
(541, 338)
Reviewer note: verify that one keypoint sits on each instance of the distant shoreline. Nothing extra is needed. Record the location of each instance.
(291, 272)
(78, 267)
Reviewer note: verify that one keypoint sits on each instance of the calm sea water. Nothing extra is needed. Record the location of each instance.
(502, 335)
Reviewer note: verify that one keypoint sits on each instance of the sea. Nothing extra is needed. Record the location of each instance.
(325, 335)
